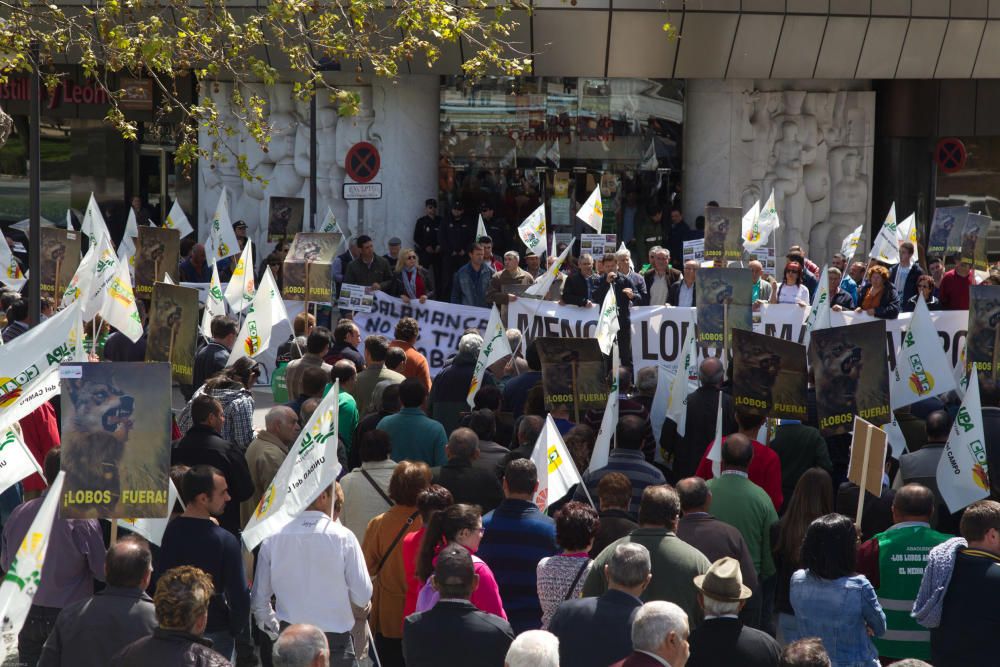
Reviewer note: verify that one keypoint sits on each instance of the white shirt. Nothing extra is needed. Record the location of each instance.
(315, 569)
(659, 287)
(792, 293)
(685, 296)
(901, 273)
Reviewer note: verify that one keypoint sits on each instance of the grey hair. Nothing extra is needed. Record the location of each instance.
(275, 414)
(534, 648)
(512, 253)
(710, 372)
(623, 253)
(299, 645)
(514, 340)
(646, 382)
(834, 270)
(654, 622)
(657, 248)
(629, 565)
(715, 607)
(470, 344)
(585, 256)
(463, 443)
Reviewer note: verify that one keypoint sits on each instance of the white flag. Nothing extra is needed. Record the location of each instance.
(241, 288)
(266, 310)
(93, 223)
(222, 241)
(907, 231)
(510, 158)
(649, 160)
(552, 155)
(10, 270)
(176, 219)
(480, 228)
(541, 286)
(658, 410)
(540, 154)
(126, 249)
(153, 529)
(607, 322)
(818, 316)
(748, 226)
(849, 245)
(167, 279)
(532, 231)
(215, 303)
(69, 219)
(886, 246)
(592, 211)
(609, 422)
(495, 347)
(764, 225)
(962, 472)
(119, 308)
(310, 468)
(922, 367)
(92, 277)
(556, 471)
(715, 452)
(687, 371)
(22, 579)
(16, 461)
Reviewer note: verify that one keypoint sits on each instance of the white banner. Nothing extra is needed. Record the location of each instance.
(441, 324)
(16, 462)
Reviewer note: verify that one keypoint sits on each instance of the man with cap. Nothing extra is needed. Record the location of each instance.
(425, 238)
(722, 639)
(393, 255)
(533, 265)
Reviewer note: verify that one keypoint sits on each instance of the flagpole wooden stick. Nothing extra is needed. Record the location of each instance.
(156, 271)
(725, 337)
(55, 286)
(114, 531)
(170, 346)
(576, 395)
(307, 293)
(864, 477)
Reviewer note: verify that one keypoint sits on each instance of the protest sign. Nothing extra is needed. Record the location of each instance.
(973, 249)
(963, 470)
(310, 255)
(723, 227)
(694, 250)
(59, 261)
(116, 463)
(598, 245)
(284, 217)
(572, 375)
(172, 333)
(868, 449)
(984, 323)
(769, 375)
(557, 473)
(851, 372)
(922, 369)
(723, 300)
(153, 529)
(947, 226)
(156, 253)
(357, 298)
(441, 324)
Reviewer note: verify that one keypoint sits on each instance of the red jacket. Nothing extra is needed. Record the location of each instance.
(764, 471)
(954, 290)
(40, 430)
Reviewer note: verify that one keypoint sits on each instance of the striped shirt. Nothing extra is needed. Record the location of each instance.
(632, 464)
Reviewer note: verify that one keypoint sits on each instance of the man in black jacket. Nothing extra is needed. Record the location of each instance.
(597, 631)
(578, 288)
(468, 484)
(722, 639)
(204, 444)
(904, 275)
(683, 292)
(610, 279)
(453, 631)
(214, 356)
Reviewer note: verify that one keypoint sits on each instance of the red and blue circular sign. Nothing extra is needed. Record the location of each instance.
(951, 155)
(362, 162)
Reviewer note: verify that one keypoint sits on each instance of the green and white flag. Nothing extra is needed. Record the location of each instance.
(215, 302)
(609, 422)
(680, 388)
(177, 219)
(592, 211)
(962, 472)
(126, 249)
(25, 574)
(556, 471)
(607, 322)
(96, 271)
(541, 286)
(907, 231)
(10, 270)
(818, 316)
(532, 231)
(748, 225)
(16, 461)
(310, 468)
(495, 347)
(886, 246)
(222, 241)
(153, 529)
(241, 289)
(763, 226)
(93, 223)
(480, 228)
(922, 368)
(266, 310)
(715, 452)
(119, 308)
(849, 245)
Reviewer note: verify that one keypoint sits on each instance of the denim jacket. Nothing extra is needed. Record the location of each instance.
(839, 612)
(469, 289)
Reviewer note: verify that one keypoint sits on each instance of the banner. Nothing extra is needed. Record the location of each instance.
(92, 278)
(723, 300)
(851, 372)
(947, 226)
(60, 259)
(556, 471)
(607, 322)
(310, 468)
(178, 221)
(963, 471)
(21, 581)
(157, 252)
(16, 460)
(116, 464)
(153, 529)
(495, 347)
(886, 246)
(572, 375)
(241, 288)
(723, 227)
(172, 333)
(769, 375)
(973, 250)
(922, 369)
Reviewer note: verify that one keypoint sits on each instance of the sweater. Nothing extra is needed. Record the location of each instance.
(555, 577)
(764, 471)
(415, 437)
(745, 506)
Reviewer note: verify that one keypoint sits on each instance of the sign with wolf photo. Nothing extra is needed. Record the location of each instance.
(946, 231)
(723, 300)
(312, 254)
(868, 449)
(115, 439)
(60, 259)
(973, 249)
(284, 217)
(984, 326)
(573, 375)
(172, 333)
(851, 371)
(356, 298)
(723, 229)
(769, 375)
(157, 252)
(598, 245)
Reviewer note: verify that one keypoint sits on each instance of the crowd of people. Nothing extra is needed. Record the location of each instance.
(431, 550)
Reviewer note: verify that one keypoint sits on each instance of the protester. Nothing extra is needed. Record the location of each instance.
(411, 280)
(376, 348)
(921, 466)
(315, 569)
(534, 648)
(517, 536)
(431, 500)
(791, 289)
(677, 233)
(682, 293)
(385, 402)
(231, 388)
(512, 274)
(414, 435)
(879, 297)
(626, 458)
(214, 355)
(805, 653)
(467, 483)
(366, 489)
(301, 645)
(675, 563)
(345, 372)
(579, 287)
(407, 332)
(368, 269)
(702, 409)
(454, 631)
(847, 283)
(346, 338)
(765, 468)
(840, 299)
(194, 269)
(627, 406)
(659, 636)
(385, 560)
(906, 273)
(925, 288)
(425, 234)
(483, 423)
(659, 277)
(799, 447)
(183, 601)
(614, 493)
(317, 347)
(267, 452)
(528, 430)
(194, 539)
(450, 389)
(830, 600)
(472, 280)
(17, 321)
(722, 639)
(561, 577)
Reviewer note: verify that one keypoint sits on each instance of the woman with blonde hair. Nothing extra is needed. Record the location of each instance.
(410, 280)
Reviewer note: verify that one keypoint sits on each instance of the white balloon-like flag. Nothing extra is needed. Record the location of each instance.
(556, 471)
(886, 246)
(592, 211)
(922, 367)
(495, 347)
(963, 472)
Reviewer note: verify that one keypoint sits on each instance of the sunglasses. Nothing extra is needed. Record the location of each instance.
(795, 271)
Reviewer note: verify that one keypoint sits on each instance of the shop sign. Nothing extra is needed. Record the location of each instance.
(362, 190)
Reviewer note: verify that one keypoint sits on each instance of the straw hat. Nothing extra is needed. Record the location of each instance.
(723, 581)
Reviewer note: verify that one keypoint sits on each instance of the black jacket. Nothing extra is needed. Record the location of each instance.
(469, 484)
(454, 632)
(595, 632)
(726, 641)
(90, 632)
(910, 286)
(170, 648)
(614, 525)
(888, 304)
(620, 283)
(674, 293)
(202, 445)
(970, 614)
(575, 290)
(210, 359)
(344, 350)
(702, 409)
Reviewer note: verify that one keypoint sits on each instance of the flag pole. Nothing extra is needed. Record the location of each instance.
(864, 477)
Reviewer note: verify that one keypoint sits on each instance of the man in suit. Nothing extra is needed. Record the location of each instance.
(453, 631)
(659, 636)
(723, 639)
(761, 289)
(578, 288)
(611, 279)
(468, 484)
(905, 274)
(595, 632)
(682, 292)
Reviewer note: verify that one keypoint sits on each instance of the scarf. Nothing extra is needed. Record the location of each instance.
(872, 299)
(937, 575)
(410, 282)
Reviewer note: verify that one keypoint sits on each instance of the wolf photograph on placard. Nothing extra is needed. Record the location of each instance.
(769, 375)
(60, 252)
(573, 374)
(851, 370)
(116, 462)
(722, 295)
(984, 324)
(172, 333)
(723, 229)
(974, 240)
(157, 252)
(318, 250)
(284, 217)
(945, 237)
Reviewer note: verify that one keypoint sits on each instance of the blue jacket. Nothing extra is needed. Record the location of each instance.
(469, 287)
(415, 437)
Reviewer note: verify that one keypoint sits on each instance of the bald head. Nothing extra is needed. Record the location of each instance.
(463, 445)
(737, 452)
(710, 372)
(913, 502)
(694, 494)
(307, 409)
(345, 371)
(282, 423)
(301, 645)
(938, 426)
(129, 563)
